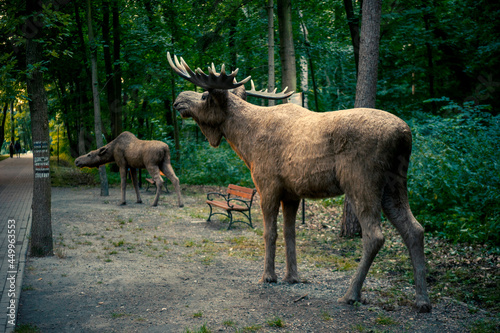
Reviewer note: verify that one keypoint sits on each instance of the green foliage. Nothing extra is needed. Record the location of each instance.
(202, 164)
(454, 176)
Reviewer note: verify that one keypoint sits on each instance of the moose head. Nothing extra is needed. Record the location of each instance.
(223, 94)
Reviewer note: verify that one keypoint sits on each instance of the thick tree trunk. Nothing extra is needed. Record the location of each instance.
(97, 103)
(287, 50)
(41, 243)
(270, 49)
(366, 88)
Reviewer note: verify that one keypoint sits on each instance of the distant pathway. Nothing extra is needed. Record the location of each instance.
(16, 194)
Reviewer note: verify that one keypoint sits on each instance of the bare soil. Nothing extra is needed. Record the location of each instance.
(137, 268)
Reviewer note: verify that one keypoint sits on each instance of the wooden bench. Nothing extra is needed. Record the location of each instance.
(238, 199)
(151, 182)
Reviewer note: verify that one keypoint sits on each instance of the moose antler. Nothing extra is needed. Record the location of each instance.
(212, 81)
(268, 95)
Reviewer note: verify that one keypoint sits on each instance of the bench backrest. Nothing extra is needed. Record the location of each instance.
(242, 192)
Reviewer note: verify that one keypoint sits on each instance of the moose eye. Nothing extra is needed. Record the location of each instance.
(204, 96)
(88, 155)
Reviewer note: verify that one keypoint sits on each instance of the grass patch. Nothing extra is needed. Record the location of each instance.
(26, 328)
(275, 322)
(202, 329)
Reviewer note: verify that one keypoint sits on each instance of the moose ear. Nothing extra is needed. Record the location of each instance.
(102, 151)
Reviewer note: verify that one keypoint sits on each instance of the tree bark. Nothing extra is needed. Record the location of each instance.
(287, 50)
(41, 242)
(366, 88)
(97, 103)
(270, 49)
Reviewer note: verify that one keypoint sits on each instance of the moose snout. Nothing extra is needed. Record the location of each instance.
(78, 163)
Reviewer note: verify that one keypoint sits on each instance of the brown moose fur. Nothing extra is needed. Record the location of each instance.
(129, 152)
(294, 153)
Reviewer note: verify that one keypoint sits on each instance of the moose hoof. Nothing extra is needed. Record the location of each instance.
(269, 278)
(347, 300)
(292, 279)
(123, 203)
(139, 202)
(181, 205)
(423, 307)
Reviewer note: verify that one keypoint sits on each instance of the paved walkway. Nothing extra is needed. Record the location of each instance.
(16, 194)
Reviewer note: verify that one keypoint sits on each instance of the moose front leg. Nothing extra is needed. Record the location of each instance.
(123, 176)
(270, 210)
(289, 214)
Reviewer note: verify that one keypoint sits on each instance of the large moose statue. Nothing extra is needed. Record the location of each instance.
(129, 152)
(294, 153)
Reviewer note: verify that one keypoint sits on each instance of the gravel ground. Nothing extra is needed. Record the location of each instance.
(138, 268)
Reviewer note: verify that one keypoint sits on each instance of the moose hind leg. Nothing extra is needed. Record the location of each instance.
(373, 240)
(397, 209)
(123, 176)
(289, 214)
(170, 174)
(133, 174)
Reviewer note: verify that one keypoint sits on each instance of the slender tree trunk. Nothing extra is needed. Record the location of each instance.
(108, 65)
(311, 64)
(366, 88)
(117, 76)
(287, 50)
(41, 243)
(270, 49)
(4, 118)
(97, 103)
(353, 23)
(12, 122)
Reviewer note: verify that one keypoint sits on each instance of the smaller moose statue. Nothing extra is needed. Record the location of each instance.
(129, 152)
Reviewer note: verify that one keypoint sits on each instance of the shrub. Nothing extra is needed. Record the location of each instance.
(454, 176)
(205, 165)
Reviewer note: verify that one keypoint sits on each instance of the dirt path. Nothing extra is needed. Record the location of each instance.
(135, 268)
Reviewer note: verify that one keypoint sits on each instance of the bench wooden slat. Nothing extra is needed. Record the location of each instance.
(225, 206)
(243, 192)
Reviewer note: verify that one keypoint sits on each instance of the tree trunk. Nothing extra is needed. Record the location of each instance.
(270, 49)
(311, 65)
(12, 123)
(4, 118)
(117, 116)
(353, 23)
(108, 65)
(97, 103)
(366, 87)
(41, 243)
(287, 50)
